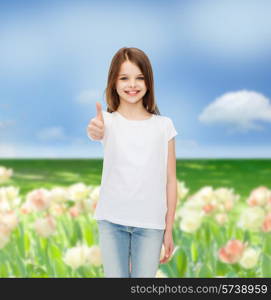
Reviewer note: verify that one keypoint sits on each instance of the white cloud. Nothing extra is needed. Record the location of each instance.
(52, 133)
(235, 29)
(240, 110)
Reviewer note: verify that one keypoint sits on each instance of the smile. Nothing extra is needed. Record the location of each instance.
(132, 93)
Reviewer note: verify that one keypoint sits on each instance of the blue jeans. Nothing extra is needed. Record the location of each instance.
(124, 247)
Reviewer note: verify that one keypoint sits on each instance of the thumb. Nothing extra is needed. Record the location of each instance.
(99, 111)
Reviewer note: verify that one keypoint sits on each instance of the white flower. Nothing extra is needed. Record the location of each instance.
(59, 195)
(93, 199)
(259, 196)
(252, 218)
(78, 192)
(95, 193)
(206, 193)
(57, 209)
(9, 193)
(77, 256)
(191, 222)
(5, 174)
(4, 206)
(223, 194)
(38, 199)
(195, 203)
(45, 226)
(94, 255)
(182, 190)
(10, 219)
(160, 274)
(226, 198)
(186, 210)
(26, 208)
(249, 258)
(221, 218)
(9, 198)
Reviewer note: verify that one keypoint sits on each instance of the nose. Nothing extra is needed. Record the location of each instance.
(132, 83)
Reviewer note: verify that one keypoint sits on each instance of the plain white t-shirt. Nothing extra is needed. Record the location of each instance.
(134, 176)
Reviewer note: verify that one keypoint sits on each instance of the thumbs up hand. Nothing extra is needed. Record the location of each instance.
(96, 125)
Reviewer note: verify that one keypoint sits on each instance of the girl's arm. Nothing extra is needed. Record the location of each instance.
(171, 186)
(171, 202)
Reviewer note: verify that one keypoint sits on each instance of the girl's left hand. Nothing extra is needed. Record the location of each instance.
(168, 246)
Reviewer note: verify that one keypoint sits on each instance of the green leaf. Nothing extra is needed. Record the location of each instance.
(19, 237)
(21, 266)
(266, 265)
(181, 261)
(207, 234)
(194, 251)
(77, 233)
(267, 244)
(221, 268)
(205, 271)
(216, 233)
(4, 271)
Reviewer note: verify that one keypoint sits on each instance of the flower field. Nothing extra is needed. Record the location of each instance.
(222, 224)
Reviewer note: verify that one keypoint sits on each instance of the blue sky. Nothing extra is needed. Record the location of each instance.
(211, 63)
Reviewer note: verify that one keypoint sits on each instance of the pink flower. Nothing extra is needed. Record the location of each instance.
(221, 218)
(10, 219)
(208, 208)
(45, 226)
(266, 226)
(39, 199)
(74, 211)
(259, 196)
(93, 206)
(228, 204)
(252, 201)
(232, 252)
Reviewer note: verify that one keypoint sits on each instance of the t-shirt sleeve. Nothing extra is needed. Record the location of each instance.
(170, 129)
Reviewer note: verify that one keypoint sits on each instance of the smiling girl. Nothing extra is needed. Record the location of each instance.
(138, 195)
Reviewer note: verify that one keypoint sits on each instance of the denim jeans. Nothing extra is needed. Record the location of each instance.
(129, 251)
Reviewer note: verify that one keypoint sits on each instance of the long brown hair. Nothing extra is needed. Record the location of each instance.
(139, 58)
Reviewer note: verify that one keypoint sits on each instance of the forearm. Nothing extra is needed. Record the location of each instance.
(171, 204)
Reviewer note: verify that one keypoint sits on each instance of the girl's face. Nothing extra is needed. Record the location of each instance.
(130, 79)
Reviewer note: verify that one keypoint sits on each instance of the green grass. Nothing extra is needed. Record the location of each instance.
(241, 174)
(30, 174)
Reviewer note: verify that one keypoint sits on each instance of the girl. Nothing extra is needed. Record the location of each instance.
(138, 195)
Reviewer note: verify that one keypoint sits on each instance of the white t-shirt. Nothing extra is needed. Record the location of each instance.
(134, 176)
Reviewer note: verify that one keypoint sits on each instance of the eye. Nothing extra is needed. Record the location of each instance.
(123, 78)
